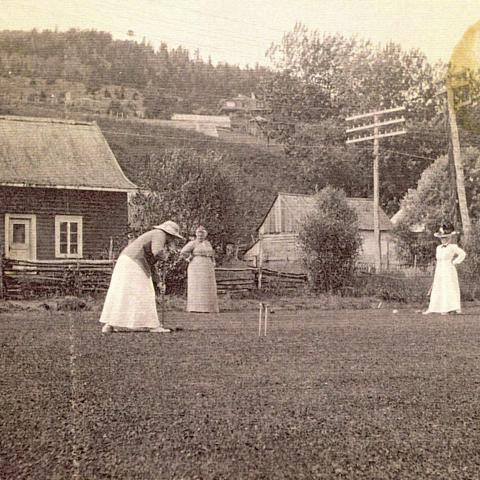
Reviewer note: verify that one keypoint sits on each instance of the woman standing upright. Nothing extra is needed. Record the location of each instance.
(201, 283)
(130, 302)
(445, 296)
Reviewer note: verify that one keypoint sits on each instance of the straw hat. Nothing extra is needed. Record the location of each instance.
(171, 228)
(445, 230)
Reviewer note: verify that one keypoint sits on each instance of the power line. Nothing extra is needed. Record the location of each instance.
(219, 140)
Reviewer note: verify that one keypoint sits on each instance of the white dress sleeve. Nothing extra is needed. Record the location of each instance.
(460, 255)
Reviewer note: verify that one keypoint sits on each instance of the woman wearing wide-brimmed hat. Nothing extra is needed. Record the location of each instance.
(445, 295)
(130, 302)
(201, 283)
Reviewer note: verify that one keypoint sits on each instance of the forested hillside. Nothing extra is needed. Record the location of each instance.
(94, 60)
(318, 81)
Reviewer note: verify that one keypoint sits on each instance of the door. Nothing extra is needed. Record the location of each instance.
(20, 238)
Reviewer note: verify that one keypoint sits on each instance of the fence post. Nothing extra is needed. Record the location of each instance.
(415, 264)
(2, 282)
(110, 249)
(78, 281)
(388, 255)
(260, 261)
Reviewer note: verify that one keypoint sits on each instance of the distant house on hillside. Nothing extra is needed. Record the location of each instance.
(62, 192)
(277, 247)
(242, 104)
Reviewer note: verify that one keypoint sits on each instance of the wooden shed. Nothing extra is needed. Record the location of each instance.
(62, 191)
(277, 247)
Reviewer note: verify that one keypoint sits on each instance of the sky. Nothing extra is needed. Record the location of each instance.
(240, 31)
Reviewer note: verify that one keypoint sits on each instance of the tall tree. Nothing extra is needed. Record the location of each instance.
(321, 79)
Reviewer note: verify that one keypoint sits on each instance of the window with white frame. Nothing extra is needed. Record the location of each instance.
(68, 236)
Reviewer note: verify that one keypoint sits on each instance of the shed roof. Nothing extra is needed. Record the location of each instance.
(299, 205)
(219, 120)
(43, 152)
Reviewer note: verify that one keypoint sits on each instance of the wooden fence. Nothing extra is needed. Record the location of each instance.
(282, 280)
(236, 279)
(24, 279)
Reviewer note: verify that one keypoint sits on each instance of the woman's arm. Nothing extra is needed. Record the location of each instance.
(187, 250)
(460, 255)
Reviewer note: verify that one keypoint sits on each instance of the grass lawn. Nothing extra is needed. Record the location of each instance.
(348, 394)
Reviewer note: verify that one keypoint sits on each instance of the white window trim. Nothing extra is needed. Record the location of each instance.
(68, 218)
(33, 233)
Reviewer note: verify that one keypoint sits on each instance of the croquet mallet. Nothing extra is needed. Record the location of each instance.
(162, 299)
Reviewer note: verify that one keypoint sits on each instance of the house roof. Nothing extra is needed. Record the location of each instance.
(299, 205)
(41, 152)
(218, 120)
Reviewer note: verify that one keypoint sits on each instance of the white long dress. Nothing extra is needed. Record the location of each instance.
(201, 283)
(445, 296)
(130, 301)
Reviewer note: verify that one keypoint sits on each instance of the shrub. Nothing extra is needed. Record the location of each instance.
(175, 271)
(432, 203)
(469, 270)
(190, 188)
(330, 241)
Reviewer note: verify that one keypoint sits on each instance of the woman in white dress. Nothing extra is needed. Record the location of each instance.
(445, 295)
(201, 283)
(130, 302)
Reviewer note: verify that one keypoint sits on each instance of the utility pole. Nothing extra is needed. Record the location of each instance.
(457, 162)
(383, 126)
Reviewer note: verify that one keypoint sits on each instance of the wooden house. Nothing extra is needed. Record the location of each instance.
(241, 104)
(62, 193)
(277, 247)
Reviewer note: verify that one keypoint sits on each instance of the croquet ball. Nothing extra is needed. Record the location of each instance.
(394, 311)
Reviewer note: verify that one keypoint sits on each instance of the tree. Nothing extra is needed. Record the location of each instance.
(191, 188)
(330, 241)
(321, 79)
(470, 270)
(158, 105)
(430, 204)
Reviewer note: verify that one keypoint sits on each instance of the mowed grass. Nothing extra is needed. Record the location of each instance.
(348, 394)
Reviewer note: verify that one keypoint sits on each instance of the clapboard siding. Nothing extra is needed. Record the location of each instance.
(104, 215)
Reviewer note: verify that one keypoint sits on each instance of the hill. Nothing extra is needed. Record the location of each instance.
(89, 70)
(260, 174)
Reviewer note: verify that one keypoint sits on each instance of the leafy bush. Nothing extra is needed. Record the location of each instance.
(330, 241)
(190, 188)
(175, 270)
(469, 270)
(432, 203)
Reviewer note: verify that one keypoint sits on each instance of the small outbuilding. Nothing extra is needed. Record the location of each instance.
(277, 245)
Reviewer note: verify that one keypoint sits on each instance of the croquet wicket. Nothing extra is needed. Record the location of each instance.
(263, 317)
